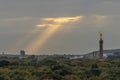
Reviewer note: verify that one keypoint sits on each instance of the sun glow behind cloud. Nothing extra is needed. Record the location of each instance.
(52, 25)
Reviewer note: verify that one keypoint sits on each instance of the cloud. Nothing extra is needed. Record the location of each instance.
(63, 19)
(44, 25)
(58, 21)
(96, 21)
(100, 21)
(100, 17)
(16, 19)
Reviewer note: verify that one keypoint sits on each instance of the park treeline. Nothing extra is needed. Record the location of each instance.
(52, 68)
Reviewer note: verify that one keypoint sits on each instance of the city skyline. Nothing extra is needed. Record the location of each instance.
(58, 26)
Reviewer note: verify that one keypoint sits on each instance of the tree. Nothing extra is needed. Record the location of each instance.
(95, 70)
(4, 63)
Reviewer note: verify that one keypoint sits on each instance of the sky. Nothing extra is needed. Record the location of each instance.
(58, 26)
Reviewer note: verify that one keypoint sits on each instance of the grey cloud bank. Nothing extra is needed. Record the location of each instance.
(19, 17)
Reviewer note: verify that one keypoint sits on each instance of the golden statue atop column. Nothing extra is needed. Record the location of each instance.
(101, 46)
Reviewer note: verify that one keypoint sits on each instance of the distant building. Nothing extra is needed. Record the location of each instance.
(22, 54)
(76, 57)
(106, 53)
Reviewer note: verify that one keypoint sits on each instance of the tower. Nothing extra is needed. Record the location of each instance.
(101, 46)
(22, 54)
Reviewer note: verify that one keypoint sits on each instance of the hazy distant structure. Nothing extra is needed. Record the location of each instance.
(22, 54)
(101, 46)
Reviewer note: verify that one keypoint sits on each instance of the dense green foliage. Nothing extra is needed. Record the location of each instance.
(59, 69)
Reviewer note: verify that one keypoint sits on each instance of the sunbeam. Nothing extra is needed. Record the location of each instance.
(22, 41)
(52, 27)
